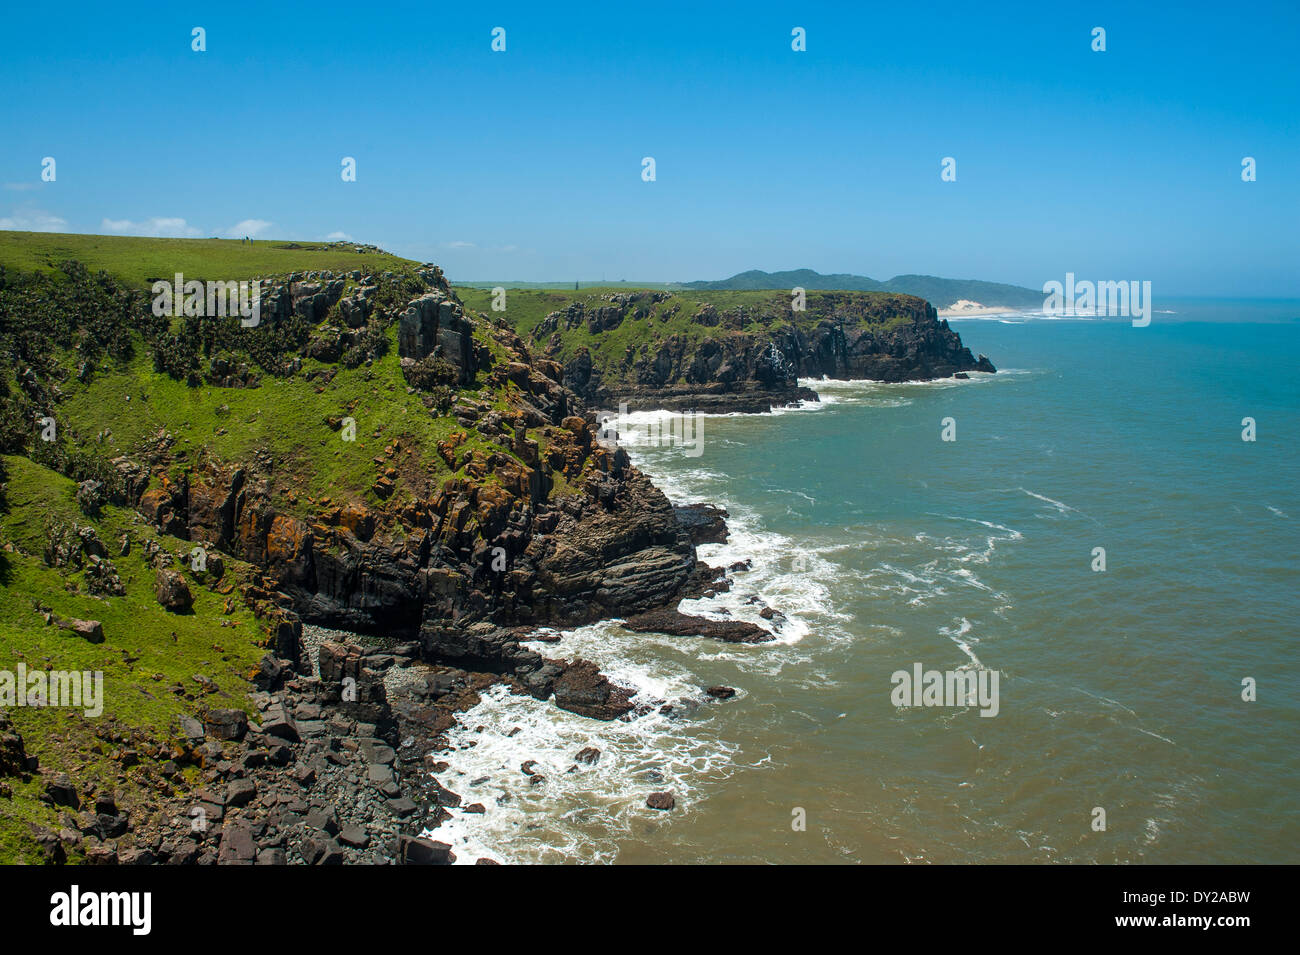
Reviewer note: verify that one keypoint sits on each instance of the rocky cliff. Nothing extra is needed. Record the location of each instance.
(368, 456)
(477, 502)
(744, 351)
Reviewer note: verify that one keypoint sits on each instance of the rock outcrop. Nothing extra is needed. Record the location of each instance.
(752, 356)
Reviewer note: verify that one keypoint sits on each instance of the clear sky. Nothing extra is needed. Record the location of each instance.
(526, 164)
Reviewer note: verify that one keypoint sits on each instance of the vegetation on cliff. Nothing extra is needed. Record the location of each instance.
(728, 350)
(181, 492)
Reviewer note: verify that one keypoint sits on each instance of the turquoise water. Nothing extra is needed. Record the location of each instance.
(887, 547)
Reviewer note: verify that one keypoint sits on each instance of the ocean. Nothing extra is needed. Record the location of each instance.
(885, 546)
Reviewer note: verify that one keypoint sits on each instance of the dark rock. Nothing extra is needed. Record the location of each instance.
(413, 850)
(354, 836)
(321, 849)
(226, 724)
(101, 855)
(677, 624)
(63, 792)
(324, 819)
(584, 690)
(661, 800)
(402, 807)
(238, 847)
(304, 776)
(705, 523)
(276, 722)
(105, 804)
(241, 792)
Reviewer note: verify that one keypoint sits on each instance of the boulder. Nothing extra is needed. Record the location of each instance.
(413, 850)
(238, 847)
(661, 800)
(172, 591)
(62, 791)
(226, 724)
(89, 630)
(584, 690)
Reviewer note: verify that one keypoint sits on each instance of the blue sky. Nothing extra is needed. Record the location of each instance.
(526, 164)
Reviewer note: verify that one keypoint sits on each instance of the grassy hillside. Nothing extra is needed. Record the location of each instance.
(296, 418)
(157, 666)
(81, 346)
(139, 260)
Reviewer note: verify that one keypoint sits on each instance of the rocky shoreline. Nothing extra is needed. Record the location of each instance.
(340, 765)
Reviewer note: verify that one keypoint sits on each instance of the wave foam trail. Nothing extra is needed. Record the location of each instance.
(577, 812)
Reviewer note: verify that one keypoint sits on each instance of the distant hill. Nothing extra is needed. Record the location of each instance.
(939, 292)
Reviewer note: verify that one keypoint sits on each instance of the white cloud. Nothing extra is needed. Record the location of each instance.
(34, 220)
(459, 244)
(22, 186)
(156, 226)
(338, 237)
(249, 227)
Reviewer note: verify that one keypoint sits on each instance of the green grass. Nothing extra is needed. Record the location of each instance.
(146, 651)
(139, 260)
(289, 418)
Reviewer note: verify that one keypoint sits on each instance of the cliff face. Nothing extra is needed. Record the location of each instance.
(480, 500)
(496, 543)
(749, 356)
